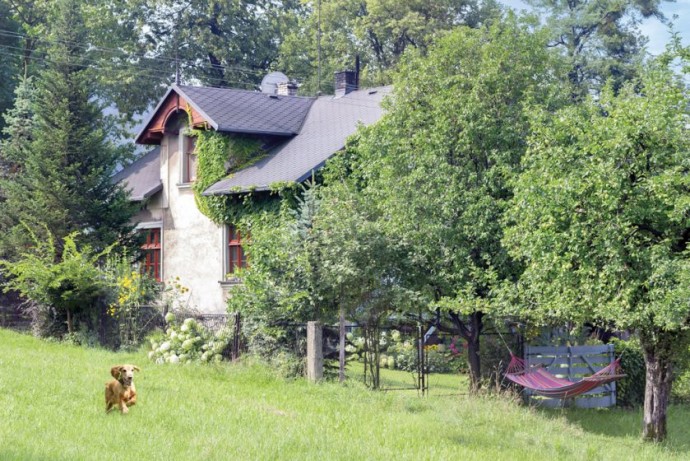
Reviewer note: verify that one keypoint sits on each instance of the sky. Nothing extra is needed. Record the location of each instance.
(652, 28)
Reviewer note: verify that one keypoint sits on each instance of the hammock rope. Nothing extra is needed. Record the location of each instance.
(541, 382)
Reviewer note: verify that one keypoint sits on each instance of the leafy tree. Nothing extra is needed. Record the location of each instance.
(323, 256)
(125, 71)
(64, 180)
(219, 43)
(67, 279)
(379, 31)
(600, 221)
(601, 39)
(438, 166)
(29, 20)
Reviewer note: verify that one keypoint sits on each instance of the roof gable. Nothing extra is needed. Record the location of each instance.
(171, 104)
(229, 110)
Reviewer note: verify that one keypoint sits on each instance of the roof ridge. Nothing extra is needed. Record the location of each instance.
(243, 91)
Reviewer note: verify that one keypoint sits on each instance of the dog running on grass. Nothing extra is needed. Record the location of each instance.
(120, 392)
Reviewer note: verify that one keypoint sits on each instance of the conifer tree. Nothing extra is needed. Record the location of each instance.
(64, 179)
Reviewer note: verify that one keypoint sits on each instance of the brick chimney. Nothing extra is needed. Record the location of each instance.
(286, 89)
(347, 81)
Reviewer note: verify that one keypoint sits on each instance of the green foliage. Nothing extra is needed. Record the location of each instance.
(630, 390)
(130, 292)
(433, 175)
(219, 43)
(400, 353)
(279, 285)
(603, 234)
(600, 221)
(601, 39)
(64, 180)
(113, 46)
(9, 67)
(218, 153)
(18, 131)
(68, 281)
(189, 342)
(378, 31)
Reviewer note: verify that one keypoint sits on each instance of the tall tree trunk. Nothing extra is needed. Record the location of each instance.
(70, 322)
(470, 331)
(657, 347)
(474, 363)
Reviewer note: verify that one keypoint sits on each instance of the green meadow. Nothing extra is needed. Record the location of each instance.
(52, 408)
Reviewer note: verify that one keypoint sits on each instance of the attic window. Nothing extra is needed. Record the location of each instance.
(189, 158)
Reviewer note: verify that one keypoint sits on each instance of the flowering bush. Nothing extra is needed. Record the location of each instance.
(399, 353)
(129, 291)
(189, 342)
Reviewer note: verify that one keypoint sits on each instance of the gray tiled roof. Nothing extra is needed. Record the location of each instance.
(241, 111)
(143, 177)
(324, 132)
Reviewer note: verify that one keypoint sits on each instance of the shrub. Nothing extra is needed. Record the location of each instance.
(283, 348)
(398, 352)
(129, 293)
(630, 390)
(67, 280)
(189, 342)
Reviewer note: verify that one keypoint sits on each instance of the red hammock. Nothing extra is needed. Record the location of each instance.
(541, 382)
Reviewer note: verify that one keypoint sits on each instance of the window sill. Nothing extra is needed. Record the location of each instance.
(230, 282)
(185, 185)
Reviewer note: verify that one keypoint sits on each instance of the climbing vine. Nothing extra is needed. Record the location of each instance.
(217, 154)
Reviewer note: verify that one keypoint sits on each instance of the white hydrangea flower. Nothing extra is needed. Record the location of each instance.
(165, 346)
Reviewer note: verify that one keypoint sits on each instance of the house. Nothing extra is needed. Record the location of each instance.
(301, 132)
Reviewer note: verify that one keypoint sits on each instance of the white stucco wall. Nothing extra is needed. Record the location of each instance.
(192, 243)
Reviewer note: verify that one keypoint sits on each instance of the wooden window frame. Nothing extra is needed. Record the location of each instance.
(188, 159)
(235, 256)
(152, 262)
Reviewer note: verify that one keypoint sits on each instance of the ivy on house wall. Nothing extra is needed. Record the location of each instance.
(218, 155)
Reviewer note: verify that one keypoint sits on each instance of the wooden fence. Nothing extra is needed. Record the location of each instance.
(574, 363)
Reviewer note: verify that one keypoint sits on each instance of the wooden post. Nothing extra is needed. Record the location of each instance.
(314, 351)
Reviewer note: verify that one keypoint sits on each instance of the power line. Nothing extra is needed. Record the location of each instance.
(161, 58)
(143, 70)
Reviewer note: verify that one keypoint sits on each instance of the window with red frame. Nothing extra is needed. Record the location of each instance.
(236, 258)
(152, 253)
(189, 159)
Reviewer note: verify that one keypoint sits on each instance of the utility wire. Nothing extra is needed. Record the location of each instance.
(143, 69)
(161, 58)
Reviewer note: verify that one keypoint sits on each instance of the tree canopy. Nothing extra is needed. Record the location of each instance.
(600, 221)
(601, 39)
(62, 159)
(436, 167)
(378, 31)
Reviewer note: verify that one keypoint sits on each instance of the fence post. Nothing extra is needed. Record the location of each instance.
(314, 351)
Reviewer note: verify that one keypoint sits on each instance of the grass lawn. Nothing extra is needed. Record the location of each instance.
(52, 408)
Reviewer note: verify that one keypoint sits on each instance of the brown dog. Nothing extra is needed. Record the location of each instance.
(120, 391)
